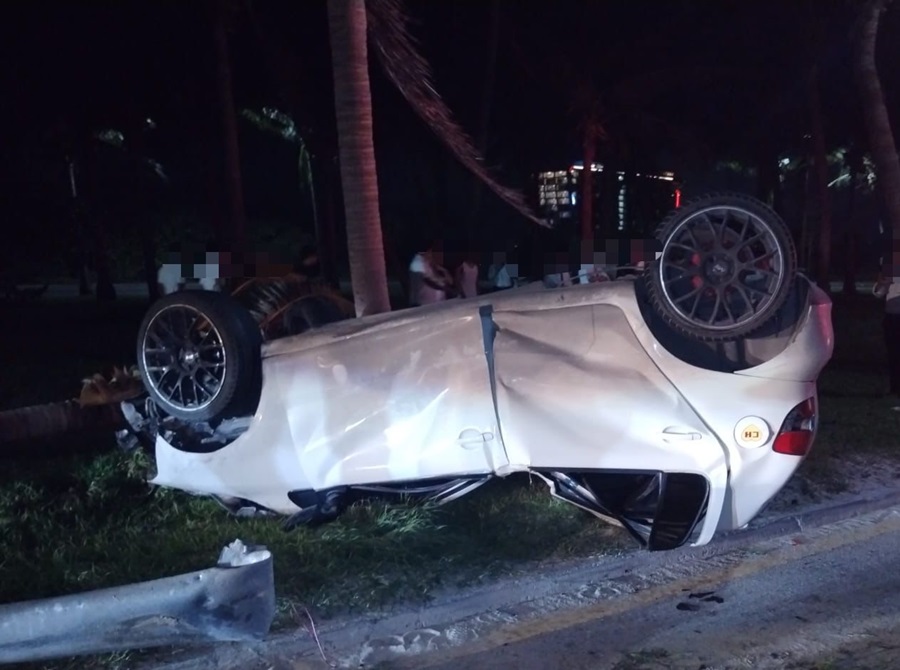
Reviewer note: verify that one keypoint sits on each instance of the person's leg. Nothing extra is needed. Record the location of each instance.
(892, 344)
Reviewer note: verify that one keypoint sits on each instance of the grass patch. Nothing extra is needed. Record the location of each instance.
(855, 413)
(78, 524)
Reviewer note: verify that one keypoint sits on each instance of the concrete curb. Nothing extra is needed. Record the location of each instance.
(821, 516)
(455, 619)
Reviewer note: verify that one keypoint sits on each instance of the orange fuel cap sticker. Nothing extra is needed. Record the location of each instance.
(751, 432)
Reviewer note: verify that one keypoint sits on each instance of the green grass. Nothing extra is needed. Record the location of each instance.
(77, 524)
(855, 415)
(86, 520)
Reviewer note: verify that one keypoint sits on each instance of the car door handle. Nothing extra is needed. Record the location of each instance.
(674, 434)
(471, 438)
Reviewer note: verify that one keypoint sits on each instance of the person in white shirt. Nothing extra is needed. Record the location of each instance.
(429, 281)
(467, 278)
(499, 274)
(170, 277)
(207, 274)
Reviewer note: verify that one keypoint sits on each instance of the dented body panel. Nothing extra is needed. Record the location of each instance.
(570, 379)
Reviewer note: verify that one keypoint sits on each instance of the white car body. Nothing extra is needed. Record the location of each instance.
(529, 379)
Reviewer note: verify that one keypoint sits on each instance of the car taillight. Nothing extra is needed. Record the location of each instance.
(797, 432)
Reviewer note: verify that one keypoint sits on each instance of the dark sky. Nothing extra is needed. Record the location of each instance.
(105, 58)
(722, 77)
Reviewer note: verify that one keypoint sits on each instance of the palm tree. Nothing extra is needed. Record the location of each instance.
(878, 126)
(820, 164)
(130, 170)
(223, 16)
(353, 106)
(79, 153)
(282, 125)
(386, 24)
(313, 132)
(411, 73)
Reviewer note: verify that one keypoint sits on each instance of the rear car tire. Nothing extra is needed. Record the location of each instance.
(199, 356)
(726, 266)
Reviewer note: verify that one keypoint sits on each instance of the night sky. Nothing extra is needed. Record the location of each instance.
(735, 72)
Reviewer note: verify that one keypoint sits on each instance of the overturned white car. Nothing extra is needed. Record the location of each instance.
(676, 403)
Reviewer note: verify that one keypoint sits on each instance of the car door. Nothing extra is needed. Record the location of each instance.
(394, 404)
(575, 390)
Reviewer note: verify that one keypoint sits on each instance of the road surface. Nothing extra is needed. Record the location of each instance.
(824, 598)
(830, 599)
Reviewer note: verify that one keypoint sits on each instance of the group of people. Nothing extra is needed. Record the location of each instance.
(211, 269)
(431, 282)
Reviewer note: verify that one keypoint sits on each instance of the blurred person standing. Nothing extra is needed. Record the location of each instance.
(467, 278)
(429, 281)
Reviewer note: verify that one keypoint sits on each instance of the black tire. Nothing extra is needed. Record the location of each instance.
(199, 356)
(727, 263)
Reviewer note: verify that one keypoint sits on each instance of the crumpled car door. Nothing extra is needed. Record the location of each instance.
(575, 390)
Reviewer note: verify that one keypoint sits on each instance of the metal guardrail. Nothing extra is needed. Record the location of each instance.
(231, 602)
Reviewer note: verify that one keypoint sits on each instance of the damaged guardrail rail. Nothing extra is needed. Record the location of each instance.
(231, 602)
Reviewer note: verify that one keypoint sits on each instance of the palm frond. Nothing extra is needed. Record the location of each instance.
(124, 384)
(269, 299)
(411, 74)
(272, 120)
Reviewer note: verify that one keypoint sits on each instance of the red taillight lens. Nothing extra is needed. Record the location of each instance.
(797, 432)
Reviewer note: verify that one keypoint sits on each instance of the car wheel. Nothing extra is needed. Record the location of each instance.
(726, 266)
(199, 356)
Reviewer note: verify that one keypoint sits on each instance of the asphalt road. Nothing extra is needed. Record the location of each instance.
(829, 599)
(822, 598)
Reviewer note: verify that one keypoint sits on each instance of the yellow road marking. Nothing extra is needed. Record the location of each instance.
(561, 620)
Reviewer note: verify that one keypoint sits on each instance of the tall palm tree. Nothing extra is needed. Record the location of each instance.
(878, 126)
(386, 24)
(823, 196)
(353, 107)
(223, 17)
(285, 59)
(80, 153)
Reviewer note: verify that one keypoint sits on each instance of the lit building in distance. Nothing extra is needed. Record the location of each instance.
(640, 199)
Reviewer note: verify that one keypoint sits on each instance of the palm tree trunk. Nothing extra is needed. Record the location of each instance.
(353, 107)
(587, 185)
(820, 161)
(767, 171)
(233, 182)
(106, 290)
(77, 218)
(878, 126)
(854, 161)
(42, 421)
(148, 257)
